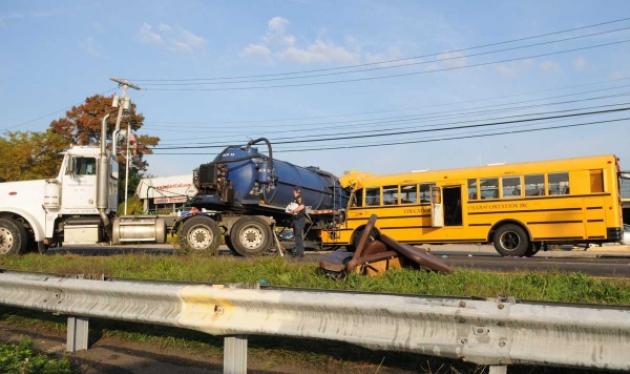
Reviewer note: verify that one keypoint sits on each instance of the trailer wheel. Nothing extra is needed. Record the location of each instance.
(511, 240)
(13, 237)
(250, 236)
(200, 234)
(228, 243)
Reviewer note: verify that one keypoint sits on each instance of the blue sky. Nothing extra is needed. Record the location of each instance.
(54, 54)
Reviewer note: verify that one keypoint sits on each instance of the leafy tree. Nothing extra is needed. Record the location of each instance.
(30, 155)
(82, 126)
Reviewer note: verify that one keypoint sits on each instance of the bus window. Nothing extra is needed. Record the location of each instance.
(373, 196)
(535, 185)
(425, 193)
(558, 184)
(597, 180)
(357, 199)
(409, 194)
(489, 188)
(472, 189)
(390, 195)
(511, 187)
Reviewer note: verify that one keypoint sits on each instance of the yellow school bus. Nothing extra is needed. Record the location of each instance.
(518, 207)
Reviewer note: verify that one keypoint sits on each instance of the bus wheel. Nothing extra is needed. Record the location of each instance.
(374, 235)
(534, 247)
(200, 234)
(13, 237)
(511, 240)
(250, 236)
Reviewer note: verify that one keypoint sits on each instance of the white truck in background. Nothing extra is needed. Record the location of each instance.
(77, 207)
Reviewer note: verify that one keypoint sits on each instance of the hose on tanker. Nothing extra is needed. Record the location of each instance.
(269, 150)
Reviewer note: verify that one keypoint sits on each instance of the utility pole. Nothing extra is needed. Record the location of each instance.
(127, 166)
(125, 104)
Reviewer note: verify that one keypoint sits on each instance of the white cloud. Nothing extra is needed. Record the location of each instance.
(319, 52)
(258, 51)
(172, 38)
(549, 66)
(277, 24)
(147, 35)
(279, 45)
(580, 63)
(91, 47)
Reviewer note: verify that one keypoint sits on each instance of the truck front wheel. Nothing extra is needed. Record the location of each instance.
(13, 237)
(250, 236)
(200, 234)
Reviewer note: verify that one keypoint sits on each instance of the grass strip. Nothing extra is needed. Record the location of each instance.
(540, 286)
(21, 358)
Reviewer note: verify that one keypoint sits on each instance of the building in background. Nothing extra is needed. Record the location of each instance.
(165, 195)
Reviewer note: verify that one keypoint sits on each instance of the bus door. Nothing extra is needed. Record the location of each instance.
(452, 198)
(437, 208)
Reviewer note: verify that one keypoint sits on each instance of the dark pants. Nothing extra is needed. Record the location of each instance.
(298, 234)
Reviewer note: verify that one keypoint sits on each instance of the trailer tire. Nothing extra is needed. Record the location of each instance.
(251, 236)
(228, 243)
(13, 237)
(200, 234)
(511, 240)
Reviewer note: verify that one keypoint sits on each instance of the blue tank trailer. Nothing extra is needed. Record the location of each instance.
(243, 195)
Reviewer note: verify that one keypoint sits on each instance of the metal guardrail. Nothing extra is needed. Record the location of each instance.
(487, 332)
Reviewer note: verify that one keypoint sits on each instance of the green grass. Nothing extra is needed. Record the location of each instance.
(20, 358)
(548, 286)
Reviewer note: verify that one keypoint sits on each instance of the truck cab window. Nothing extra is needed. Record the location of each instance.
(82, 166)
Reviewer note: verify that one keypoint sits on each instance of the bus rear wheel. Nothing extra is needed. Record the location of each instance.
(511, 240)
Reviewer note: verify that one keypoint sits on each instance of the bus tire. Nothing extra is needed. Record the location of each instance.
(511, 240)
(250, 236)
(200, 234)
(374, 235)
(13, 237)
(533, 248)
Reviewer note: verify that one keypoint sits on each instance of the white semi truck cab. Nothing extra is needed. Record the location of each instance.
(78, 207)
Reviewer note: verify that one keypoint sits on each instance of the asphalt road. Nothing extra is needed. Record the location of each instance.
(606, 261)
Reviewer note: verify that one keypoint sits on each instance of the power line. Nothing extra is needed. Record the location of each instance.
(388, 67)
(272, 123)
(408, 132)
(368, 126)
(20, 124)
(399, 75)
(493, 44)
(421, 140)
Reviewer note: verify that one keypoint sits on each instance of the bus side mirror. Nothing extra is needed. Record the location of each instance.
(437, 208)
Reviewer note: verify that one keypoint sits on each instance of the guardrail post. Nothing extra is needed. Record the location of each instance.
(497, 369)
(77, 334)
(235, 354)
